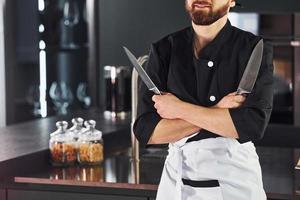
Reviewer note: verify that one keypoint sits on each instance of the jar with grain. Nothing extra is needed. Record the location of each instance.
(62, 146)
(90, 145)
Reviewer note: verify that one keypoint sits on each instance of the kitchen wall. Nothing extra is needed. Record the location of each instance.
(132, 23)
(135, 24)
(2, 69)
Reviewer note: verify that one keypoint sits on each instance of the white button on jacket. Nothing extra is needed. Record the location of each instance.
(210, 64)
(212, 98)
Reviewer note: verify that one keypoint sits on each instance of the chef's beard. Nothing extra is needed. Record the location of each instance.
(201, 17)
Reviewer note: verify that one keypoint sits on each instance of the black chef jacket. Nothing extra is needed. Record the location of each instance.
(205, 81)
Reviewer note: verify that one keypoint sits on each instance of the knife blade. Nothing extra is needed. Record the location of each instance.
(250, 74)
(144, 76)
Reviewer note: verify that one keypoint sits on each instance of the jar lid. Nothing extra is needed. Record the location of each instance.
(61, 128)
(63, 137)
(90, 124)
(90, 133)
(61, 124)
(77, 125)
(77, 121)
(90, 136)
(61, 134)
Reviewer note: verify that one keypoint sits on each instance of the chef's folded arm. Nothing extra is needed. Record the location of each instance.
(148, 122)
(252, 118)
(246, 122)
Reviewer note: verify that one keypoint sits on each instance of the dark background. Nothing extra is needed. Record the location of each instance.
(131, 23)
(136, 24)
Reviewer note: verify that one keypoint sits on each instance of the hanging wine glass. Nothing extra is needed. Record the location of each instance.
(82, 95)
(71, 13)
(61, 96)
(71, 17)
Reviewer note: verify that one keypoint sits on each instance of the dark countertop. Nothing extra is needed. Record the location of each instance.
(281, 135)
(118, 175)
(120, 172)
(24, 161)
(33, 136)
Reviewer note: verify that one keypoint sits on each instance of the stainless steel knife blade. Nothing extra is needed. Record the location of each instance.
(144, 76)
(250, 74)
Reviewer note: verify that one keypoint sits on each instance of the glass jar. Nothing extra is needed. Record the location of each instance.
(76, 128)
(90, 145)
(64, 173)
(91, 173)
(62, 146)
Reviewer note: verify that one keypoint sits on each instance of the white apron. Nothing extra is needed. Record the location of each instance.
(211, 169)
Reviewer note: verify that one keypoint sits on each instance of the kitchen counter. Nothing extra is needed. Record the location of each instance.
(119, 176)
(33, 136)
(26, 173)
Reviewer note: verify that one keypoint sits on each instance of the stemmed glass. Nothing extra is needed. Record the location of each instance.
(70, 19)
(61, 96)
(82, 95)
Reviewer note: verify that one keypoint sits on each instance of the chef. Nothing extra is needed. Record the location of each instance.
(209, 128)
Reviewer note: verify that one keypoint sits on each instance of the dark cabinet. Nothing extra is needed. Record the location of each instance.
(47, 195)
(46, 42)
(2, 195)
(297, 71)
(278, 29)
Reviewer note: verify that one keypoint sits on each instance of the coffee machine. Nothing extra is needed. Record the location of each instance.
(117, 91)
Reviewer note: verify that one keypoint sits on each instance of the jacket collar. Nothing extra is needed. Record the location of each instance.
(211, 49)
(183, 54)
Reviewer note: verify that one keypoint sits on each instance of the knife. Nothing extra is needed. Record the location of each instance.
(144, 76)
(250, 74)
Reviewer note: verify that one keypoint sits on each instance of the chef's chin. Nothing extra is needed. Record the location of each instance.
(203, 19)
(208, 16)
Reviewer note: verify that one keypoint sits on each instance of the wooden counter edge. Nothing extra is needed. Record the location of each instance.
(85, 183)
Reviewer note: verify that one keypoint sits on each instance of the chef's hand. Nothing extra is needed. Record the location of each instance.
(166, 105)
(231, 101)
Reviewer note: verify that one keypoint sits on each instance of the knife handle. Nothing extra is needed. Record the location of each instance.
(156, 91)
(242, 92)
